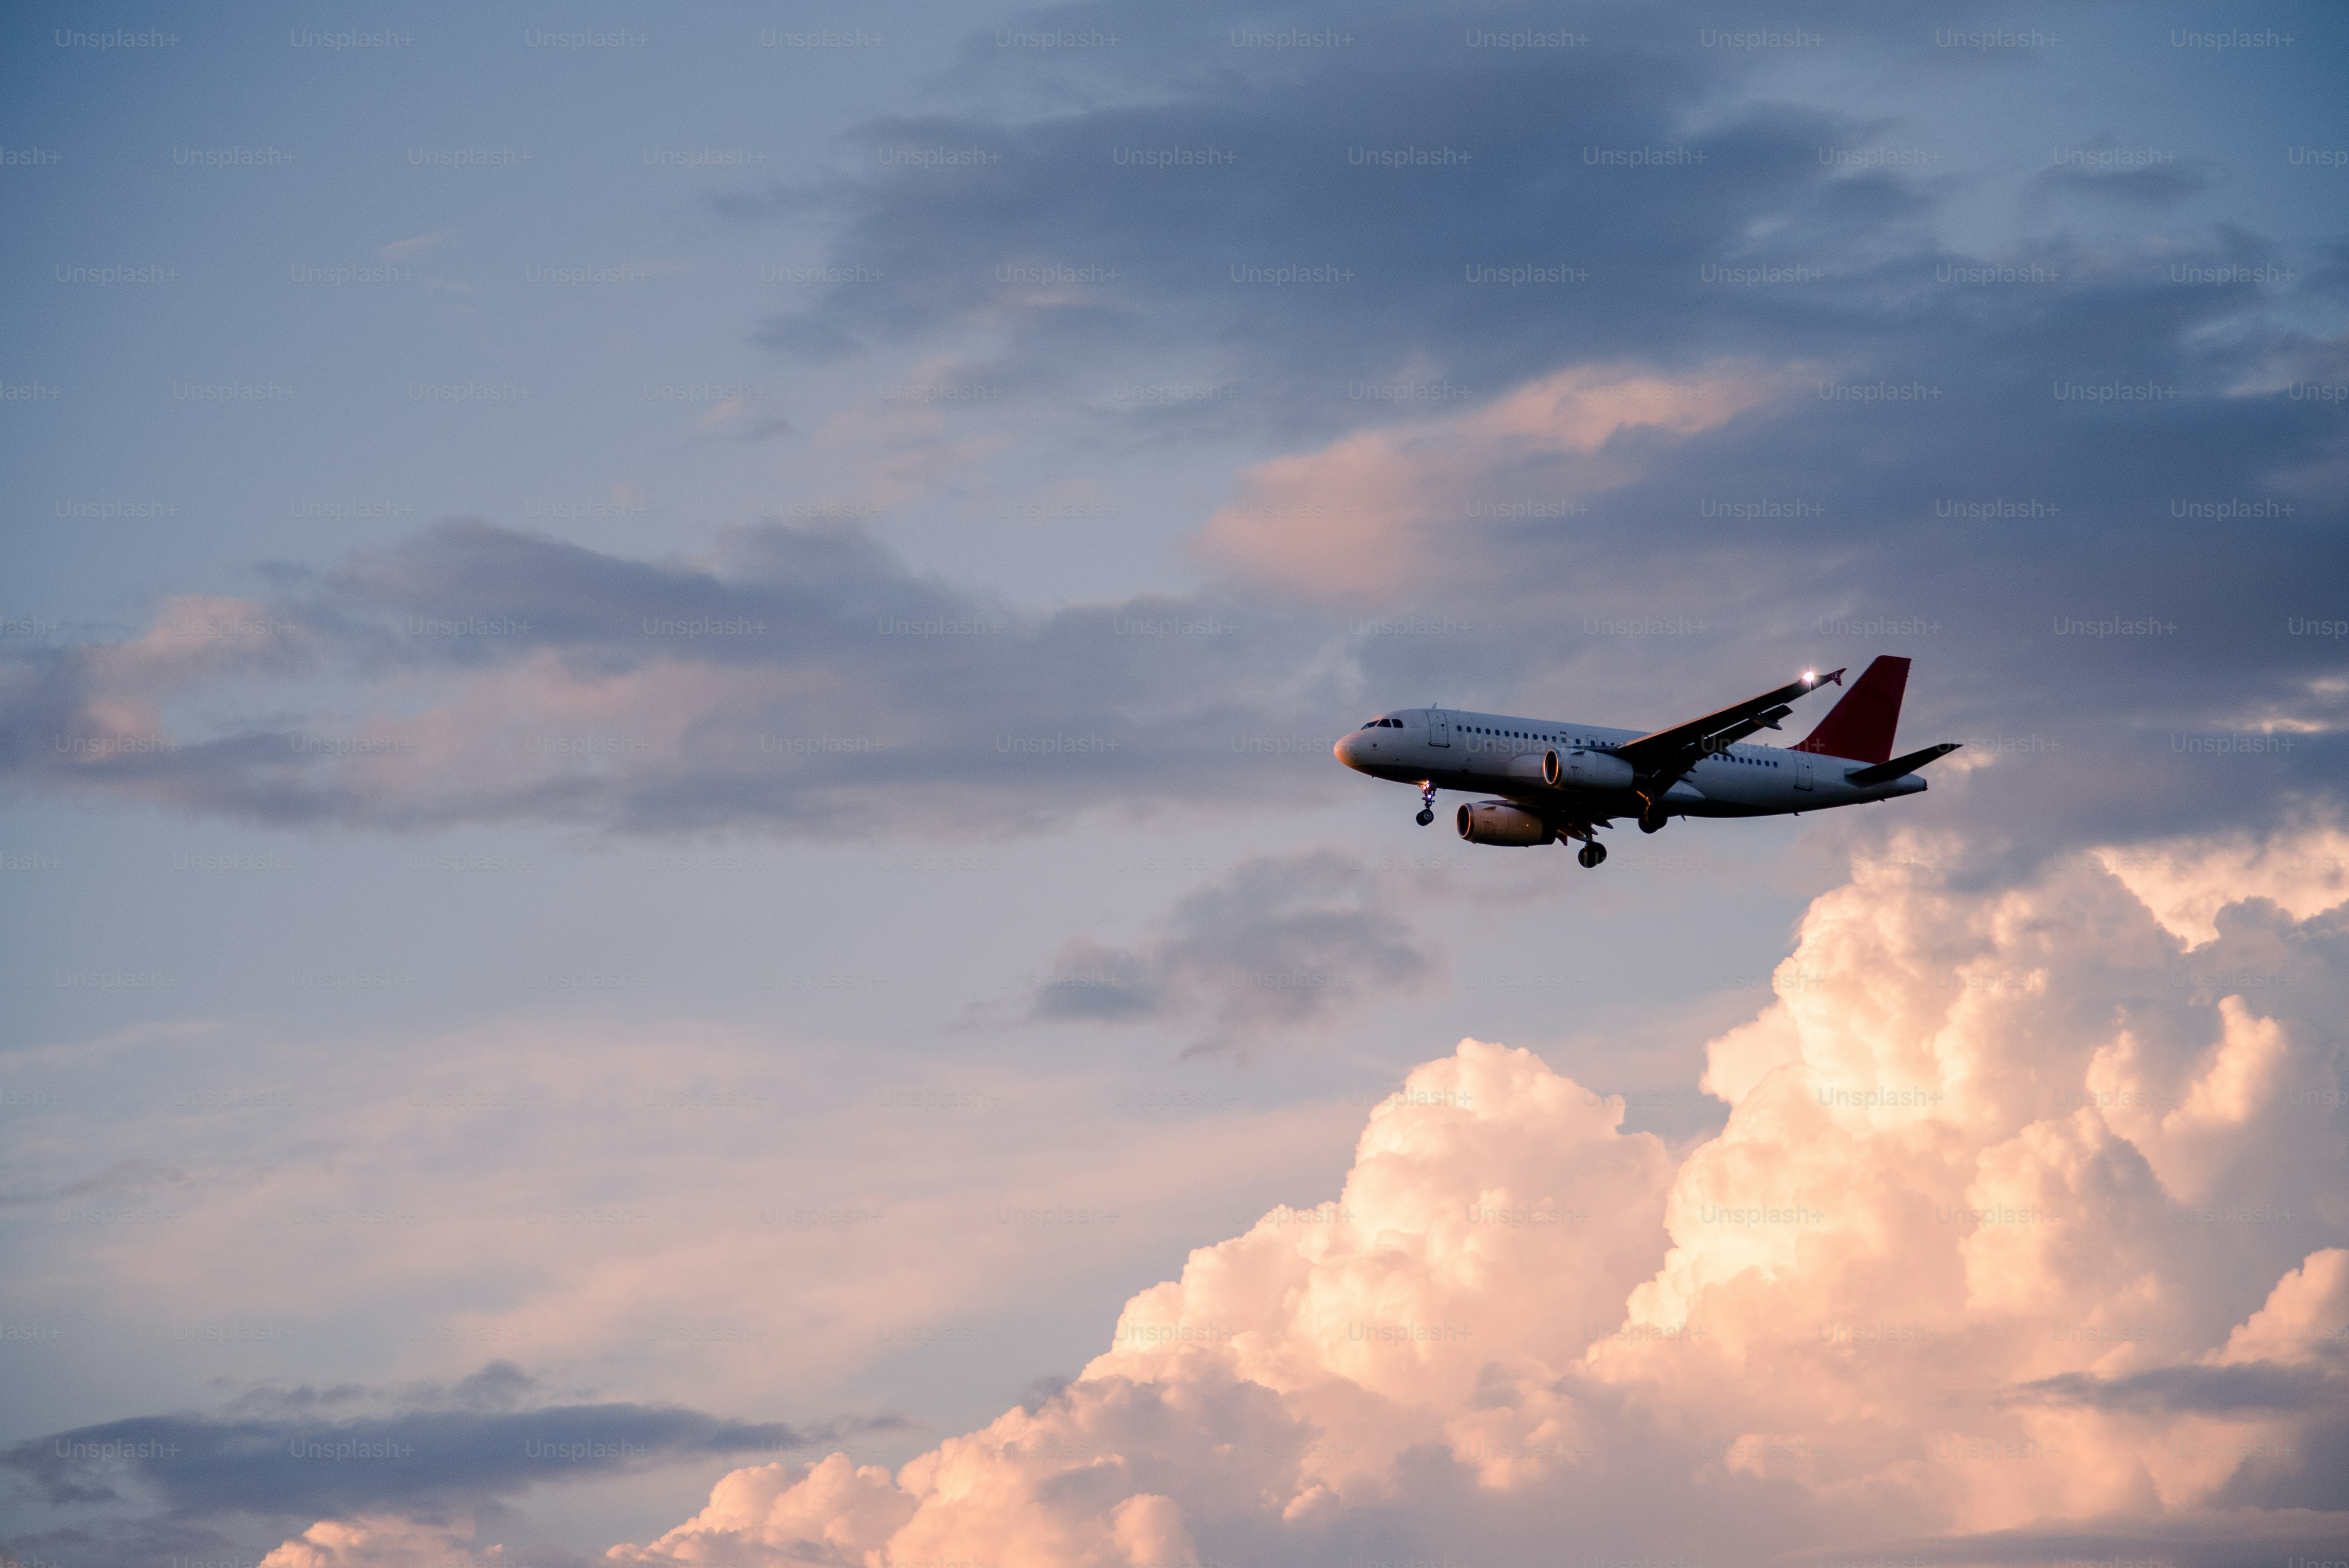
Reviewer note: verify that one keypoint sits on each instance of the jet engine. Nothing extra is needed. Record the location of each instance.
(1584, 770)
(1499, 822)
(1533, 766)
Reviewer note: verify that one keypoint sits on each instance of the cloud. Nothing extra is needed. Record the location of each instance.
(1280, 944)
(399, 250)
(795, 681)
(727, 421)
(305, 1451)
(377, 1541)
(1082, 257)
(437, 1191)
(2255, 1389)
(2101, 169)
(1380, 510)
(1535, 251)
(2185, 882)
(1936, 1286)
(2306, 1320)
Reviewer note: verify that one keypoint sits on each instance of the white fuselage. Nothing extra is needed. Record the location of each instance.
(1497, 754)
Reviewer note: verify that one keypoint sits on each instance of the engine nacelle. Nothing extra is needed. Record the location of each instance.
(1499, 822)
(1586, 769)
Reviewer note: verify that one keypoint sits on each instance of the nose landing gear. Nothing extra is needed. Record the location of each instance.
(1592, 854)
(1426, 804)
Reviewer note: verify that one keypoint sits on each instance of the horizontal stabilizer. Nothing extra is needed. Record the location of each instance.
(1885, 772)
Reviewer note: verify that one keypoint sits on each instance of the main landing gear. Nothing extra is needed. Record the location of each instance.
(1426, 804)
(1593, 854)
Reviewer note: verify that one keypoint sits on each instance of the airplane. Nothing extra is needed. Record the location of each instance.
(1559, 783)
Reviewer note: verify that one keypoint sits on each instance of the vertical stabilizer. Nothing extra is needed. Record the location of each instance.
(1860, 726)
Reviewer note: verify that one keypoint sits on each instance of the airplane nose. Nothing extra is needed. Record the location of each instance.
(1344, 750)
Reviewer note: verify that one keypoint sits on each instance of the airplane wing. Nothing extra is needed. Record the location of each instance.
(1666, 756)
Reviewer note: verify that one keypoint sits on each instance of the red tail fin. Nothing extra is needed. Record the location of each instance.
(1860, 726)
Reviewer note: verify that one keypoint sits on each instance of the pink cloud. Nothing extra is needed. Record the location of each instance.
(1890, 1294)
(1375, 511)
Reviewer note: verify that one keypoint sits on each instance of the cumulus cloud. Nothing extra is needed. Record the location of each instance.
(2187, 881)
(2007, 1243)
(377, 1541)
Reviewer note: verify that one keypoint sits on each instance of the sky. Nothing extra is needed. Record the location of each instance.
(672, 881)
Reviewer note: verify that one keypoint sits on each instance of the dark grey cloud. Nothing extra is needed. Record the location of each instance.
(958, 247)
(308, 1453)
(2220, 1538)
(1280, 944)
(2154, 187)
(2330, 274)
(839, 682)
(121, 1179)
(1523, 142)
(2247, 1389)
